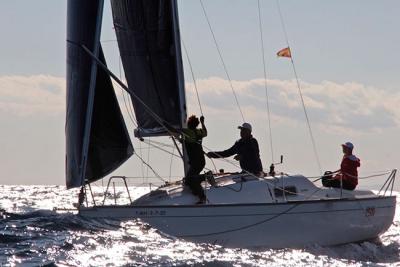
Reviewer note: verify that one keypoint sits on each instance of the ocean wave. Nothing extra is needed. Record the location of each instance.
(38, 235)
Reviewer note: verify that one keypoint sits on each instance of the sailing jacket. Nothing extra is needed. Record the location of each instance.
(348, 169)
(193, 139)
(249, 154)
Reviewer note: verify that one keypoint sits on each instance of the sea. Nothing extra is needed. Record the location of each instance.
(33, 233)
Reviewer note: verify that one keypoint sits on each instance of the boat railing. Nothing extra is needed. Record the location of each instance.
(387, 187)
(123, 178)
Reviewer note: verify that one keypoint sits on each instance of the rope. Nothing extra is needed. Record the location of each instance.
(194, 80)
(257, 177)
(147, 108)
(141, 165)
(159, 143)
(358, 177)
(215, 166)
(148, 160)
(265, 80)
(253, 224)
(299, 89)
(164, 150)
(222, 60)
(170, 164)
(128, 110)
(155, 173)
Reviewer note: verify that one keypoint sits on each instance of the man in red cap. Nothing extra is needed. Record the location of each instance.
(347, 175)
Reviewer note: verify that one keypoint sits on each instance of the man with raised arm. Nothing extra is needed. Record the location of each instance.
(192, 137)
(246, 151)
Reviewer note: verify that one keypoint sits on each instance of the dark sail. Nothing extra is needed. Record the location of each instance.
(149, 45)
(94, 123)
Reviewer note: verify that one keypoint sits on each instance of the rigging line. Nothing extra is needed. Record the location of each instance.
(164, 150)
(141, 155)
(170, 163)
(175, 155)
(129, 107)
(131, 117)
(193, 77)
(148, 165)
(265, 81)
(161, 143)
(108, 40)
(295, 205)
(215, 166)
(222, 60)
(132, 94)
(148, 160)
(299, 89)
(253, 175)
(147, 108)
(197, 92)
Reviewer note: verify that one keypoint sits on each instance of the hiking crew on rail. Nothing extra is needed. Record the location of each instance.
(347, 176)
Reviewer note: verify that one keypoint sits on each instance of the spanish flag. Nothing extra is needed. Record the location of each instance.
(285, 52)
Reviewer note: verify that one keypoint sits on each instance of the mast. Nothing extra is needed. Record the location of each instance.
(181, 78)
(86, 137)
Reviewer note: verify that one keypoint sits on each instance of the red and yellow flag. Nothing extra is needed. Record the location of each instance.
(285, 52)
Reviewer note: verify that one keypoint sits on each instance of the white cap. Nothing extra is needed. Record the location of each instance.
(348, 145)
(245, 126)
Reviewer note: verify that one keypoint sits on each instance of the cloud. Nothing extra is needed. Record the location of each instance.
(330, 106)
(337, 107)
(32, 95)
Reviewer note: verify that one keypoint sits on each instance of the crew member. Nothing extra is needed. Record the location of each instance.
(347, 175)
(193, 137)
(246, 151)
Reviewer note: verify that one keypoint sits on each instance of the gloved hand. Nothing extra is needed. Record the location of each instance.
(202, 119)
(237, 157)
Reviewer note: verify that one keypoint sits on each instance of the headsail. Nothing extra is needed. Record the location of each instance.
(97, 141)
(149, 44)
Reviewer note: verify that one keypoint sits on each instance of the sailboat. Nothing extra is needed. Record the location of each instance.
(275, 210)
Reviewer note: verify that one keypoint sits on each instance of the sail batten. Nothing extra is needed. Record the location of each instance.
(148, 38)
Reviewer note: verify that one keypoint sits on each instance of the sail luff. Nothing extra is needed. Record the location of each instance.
(181, 79)
(179, 64)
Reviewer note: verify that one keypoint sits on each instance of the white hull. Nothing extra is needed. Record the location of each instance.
(296, 223)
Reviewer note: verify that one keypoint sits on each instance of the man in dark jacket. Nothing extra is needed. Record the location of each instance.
(193, 137)
(246, 150)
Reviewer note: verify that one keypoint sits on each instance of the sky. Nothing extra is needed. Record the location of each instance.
(345, 53)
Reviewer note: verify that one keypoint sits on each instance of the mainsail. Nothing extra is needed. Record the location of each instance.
(97, 141)
(149, 44)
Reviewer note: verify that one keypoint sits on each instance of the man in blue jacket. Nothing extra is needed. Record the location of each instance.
(246, 151)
